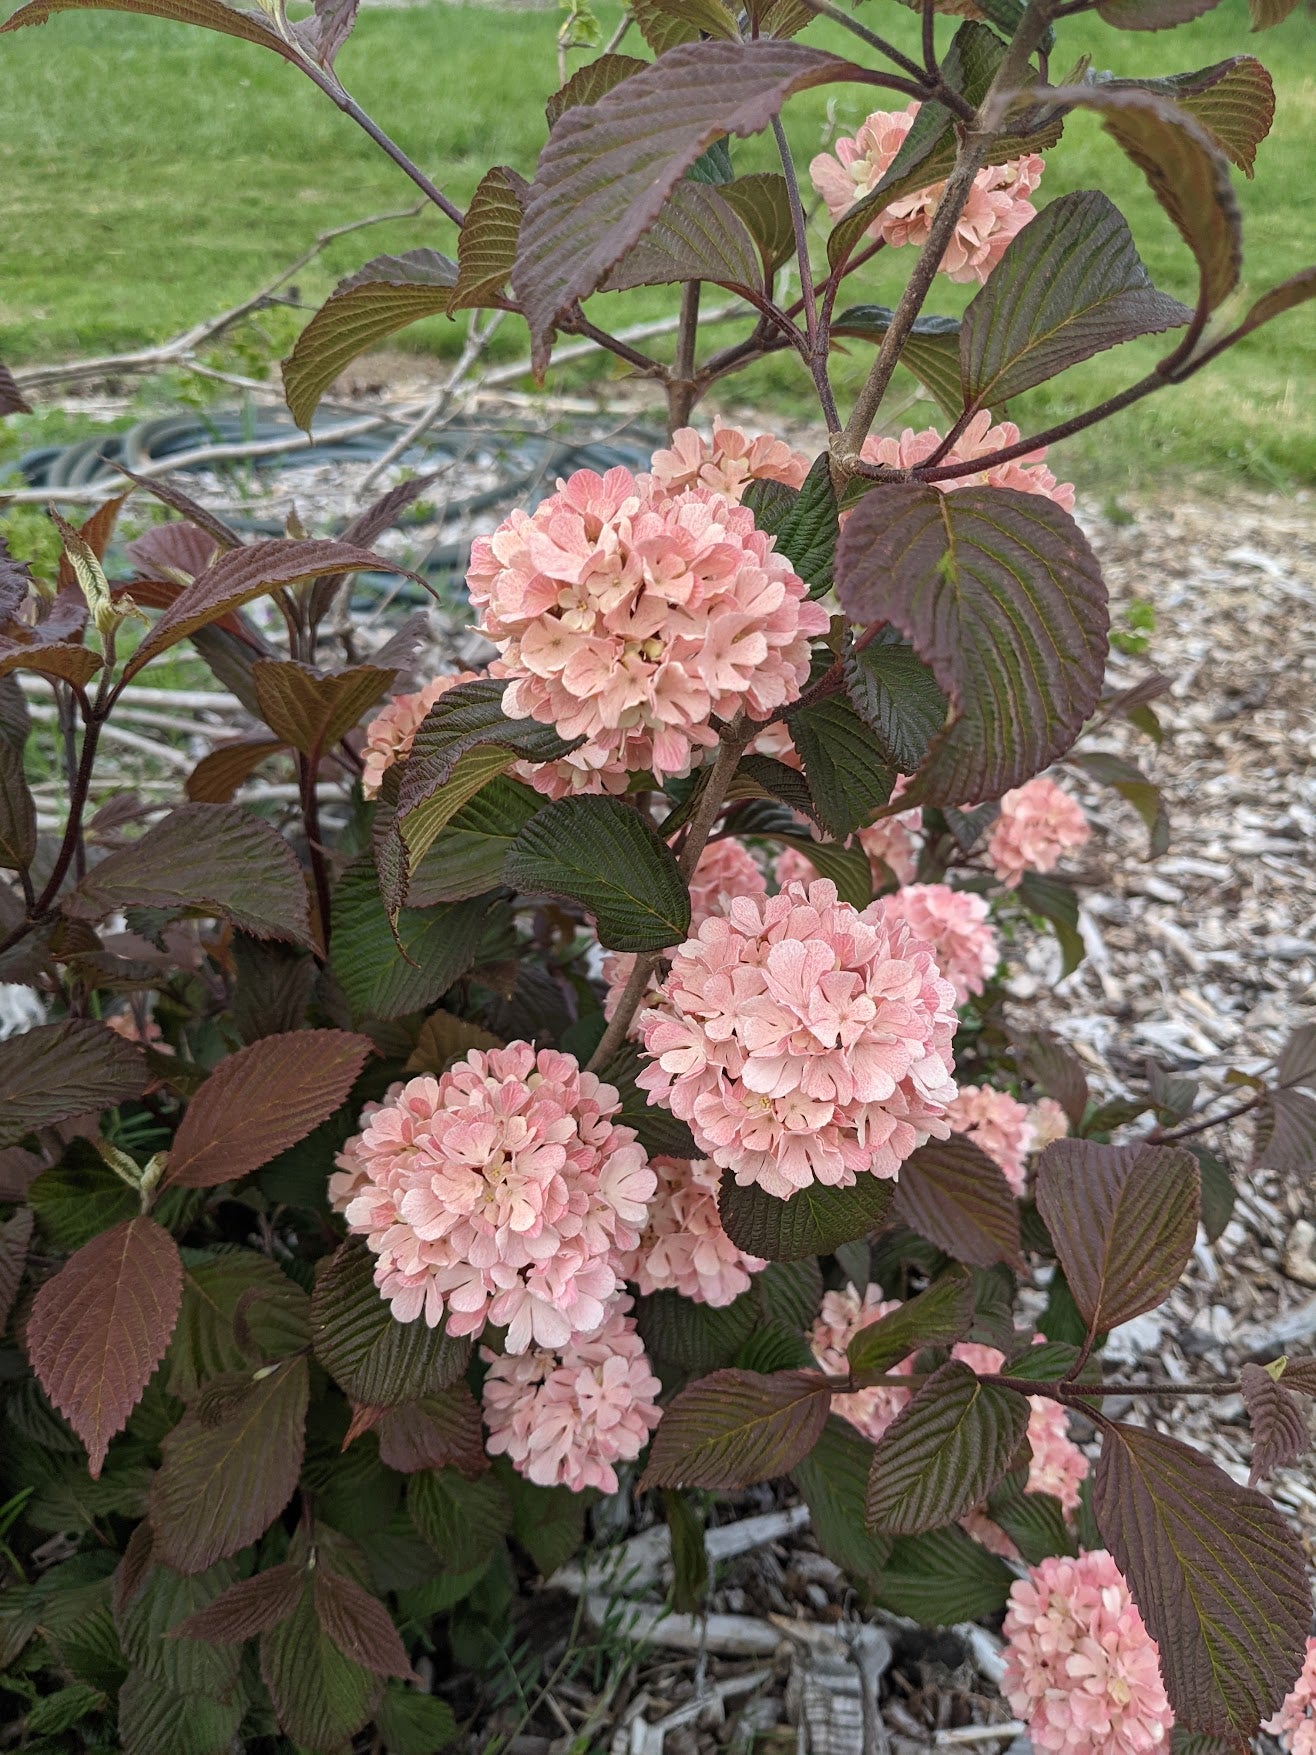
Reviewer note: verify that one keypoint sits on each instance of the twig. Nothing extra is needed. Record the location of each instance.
(477, 340)
(892, 53)
(333, 90)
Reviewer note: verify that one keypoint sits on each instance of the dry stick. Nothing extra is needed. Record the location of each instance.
(477, 340)
(734, 738)
(968, 162)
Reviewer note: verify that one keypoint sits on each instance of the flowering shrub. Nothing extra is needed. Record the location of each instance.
(635, 1012)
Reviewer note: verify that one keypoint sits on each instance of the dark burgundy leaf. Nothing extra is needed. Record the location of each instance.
(312, 712)
(433, 1433)
(1280, 1433)
(359, 1625)
(952, 1193)
(590, 82)
(1053, 1065)
(58, 1070)
(209, 14)
(15, 1235)
(173, 551)
(12, 400)
(218, 776)
(249, 1607)
(737, 1427)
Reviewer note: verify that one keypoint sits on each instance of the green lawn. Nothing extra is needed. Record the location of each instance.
(151, 174)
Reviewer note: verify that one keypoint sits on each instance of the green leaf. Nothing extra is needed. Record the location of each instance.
(374, 1359)
(463, 1521)
(379, 981)
(1070, 285)
(216, 1285)
(1216, 1572)
(1123, 1220)
(833, 1479)
(606, 856)
(155, 1720)
(666, 23)
(697, 236)
(943, 1452)
(320, 1697)
(812, 1222)
(160, 1605)
(1218, 1194)
(230, 1466)
(931, 351)
(590, 82)
(386, 295)
(762, 202)
(788, 1292)
(847, 867)
(18, 812)
(549, 1522)
(845, 763)
(211, 859)
(608, 168)
(1057, 903)
(1034, 1522)
(486, 246)
(775, 1346)
(999, 593)
(943, 1577)
(934, 1318)
(412, 1723)
(805, 522)
(54, 1071)
(658, 1130)
(58, 1712)
(952, 1193)
(695, 1337)
(466, 857)
(735, 1428)
(896, 694)
(1128, 779)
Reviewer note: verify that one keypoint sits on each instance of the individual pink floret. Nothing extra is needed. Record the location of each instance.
(728, 462)
(956, 925)
(1080, 1667)
(803, 1041)
(997, 210)
(636, 618)
(391, 733)
(565, 1418)
(997, 1122)
(1026, 475)
(684, 1248)
(502, 1193)
(1295, 1722)
(842, 1317)
(726, 869)
(1039, 822)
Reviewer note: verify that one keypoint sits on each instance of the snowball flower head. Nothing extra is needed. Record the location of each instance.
(1047, 1122)
(1080, 1666)
(1038, 823)
(1026, 475)
(1295, 1722)
(997, 1122)
(728, 462)
(352, 1176)
(391, 733)
(956, 926)
(684, 1248)
(501, 1193)
(803, 1041)
(726, 869)
(841, 1318)
(633, 618)
(998, 207)
(565, 1418)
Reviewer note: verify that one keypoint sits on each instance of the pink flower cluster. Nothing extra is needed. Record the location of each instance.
(803, 1041)
(1080, 1666)
(1047, 1122)
(998, 207)
(1038, 823)
(684, 1248)
(726, 869)
(565, 1418)
(728, 462)
(391, 733)
(956, 926)
(1026, 475)
(997, 1122)
(1295, 1722)
(841, 1318)
(501, 1193)
(634, 617)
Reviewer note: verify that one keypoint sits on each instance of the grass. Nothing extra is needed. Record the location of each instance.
(151, 174)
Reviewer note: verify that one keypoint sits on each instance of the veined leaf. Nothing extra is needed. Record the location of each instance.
(943, 1452)
(896, 694)
(100, 1327)
(1054, 1065)
(221, 1289)
(658, 1130)
(320, 1696)
(609, 167)
(209, 14)
(230, 1466)
(999, 593)
(376, 1360)
(262, 1100)
(466, 856)
(1218, 1576)
(438, 946)
(845, 762)
(666, 23)
(934, 1318)
(952, 1193)
(56, 1070)
(697, 236)
(1268, 13)
(1286, 1132)
(155, 1720)
(931, 351)
(312, 712)
(434, 1432)
(486, 248)
(941, 1577)
(1034, 1522)
(804, 521)
(813, 1222)
(606, 856)
(736, 1427)
(1069, 285)
(1057, 903)
(218, 776)
(359, 1624)
(1128, 779)
(591, 82)
(1123, 1220)
(444, 1038)
(1152, 14)
(15, 1236)
(1280, 1433)
(386, 295)
(150, 1627)
(834, 1481)
(463, 1521)
(1234, 101)
(18, 811)
(762, 202)
(249, 1607)
(209, 858)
